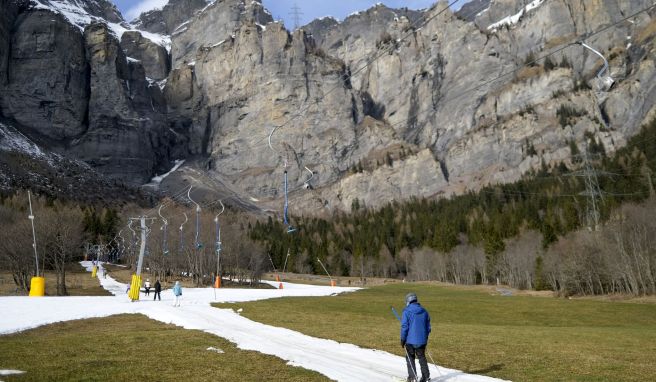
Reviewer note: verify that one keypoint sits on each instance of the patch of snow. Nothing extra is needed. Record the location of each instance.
(162, 84)
(222, 41)
(79, 17)
(483, 11)
(130, 59)
(13, 140)
(338, 361)
(514, 19)
(10, 372)
(209, 4)
(216, 350)
(179, 31)
(261, 26)
(175, 31)
(158, 179)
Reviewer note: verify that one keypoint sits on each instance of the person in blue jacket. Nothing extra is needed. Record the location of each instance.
(415, 328)
(177, 292)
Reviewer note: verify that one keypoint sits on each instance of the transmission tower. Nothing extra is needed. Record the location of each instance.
(592, 192)
(296, 14)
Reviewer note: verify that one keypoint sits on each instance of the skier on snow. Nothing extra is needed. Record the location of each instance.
(158, 290)
(177, 291)
(415, 328)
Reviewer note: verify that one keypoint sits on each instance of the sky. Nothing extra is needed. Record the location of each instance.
(281, 9)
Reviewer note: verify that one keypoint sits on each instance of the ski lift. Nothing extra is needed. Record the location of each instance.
(604, 78)
(307, 185)
(197, 243)
(164, 228)
(290, 228)
(181, 231)
(218, 227)
(285, 215)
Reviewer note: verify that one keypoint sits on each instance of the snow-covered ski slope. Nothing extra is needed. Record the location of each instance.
(338, 361)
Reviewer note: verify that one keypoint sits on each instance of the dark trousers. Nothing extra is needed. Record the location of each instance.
(157, 295)
(418, 352)
(147, 291)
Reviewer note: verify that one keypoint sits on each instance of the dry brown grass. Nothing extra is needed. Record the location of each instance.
(134, 348)
(343, 281)
(518, 337)
(78, 283)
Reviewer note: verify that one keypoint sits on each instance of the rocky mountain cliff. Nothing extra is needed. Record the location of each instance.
(387, 104)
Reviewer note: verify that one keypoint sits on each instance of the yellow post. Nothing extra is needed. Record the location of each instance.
(94, 270)
(135, 287)
(38, 287)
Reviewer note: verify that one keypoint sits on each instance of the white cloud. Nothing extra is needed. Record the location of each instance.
(144, 6)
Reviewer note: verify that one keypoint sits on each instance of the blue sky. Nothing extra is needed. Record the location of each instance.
(281, 8)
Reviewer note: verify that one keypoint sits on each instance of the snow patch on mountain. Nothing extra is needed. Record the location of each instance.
(158, 179)
(13, 140)
(514, 19)
(80, 17)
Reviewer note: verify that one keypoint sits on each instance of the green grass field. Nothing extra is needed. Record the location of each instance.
(519, 338)
(135, 348)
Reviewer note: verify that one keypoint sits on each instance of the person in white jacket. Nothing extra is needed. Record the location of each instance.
(147, 287)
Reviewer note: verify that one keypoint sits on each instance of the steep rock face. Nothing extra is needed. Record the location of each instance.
(438, 89)
(473, 9)
(172, 15)
(9, 9)
(361, 34)
(124, 127)
(319, 28)
(239, 90)
(216, 23)
(68, 83)
(47, 86)
(153, 57)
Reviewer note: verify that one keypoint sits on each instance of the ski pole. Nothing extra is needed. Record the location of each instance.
(433, 361)
(407, 355)
(429, 354)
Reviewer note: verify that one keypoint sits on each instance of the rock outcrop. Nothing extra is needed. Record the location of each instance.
(153, 57)
(53, 102)
(170, 17)
(215, 23)
(71, 84)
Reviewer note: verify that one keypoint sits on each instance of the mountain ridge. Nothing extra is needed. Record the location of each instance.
(414, 123)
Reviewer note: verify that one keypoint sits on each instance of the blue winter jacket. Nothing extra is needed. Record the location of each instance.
(177, 290)
(415, 325)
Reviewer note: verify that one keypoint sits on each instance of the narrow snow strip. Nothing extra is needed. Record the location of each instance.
(514, 19)
(338, 361)
(158, 179)
(11, 372)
